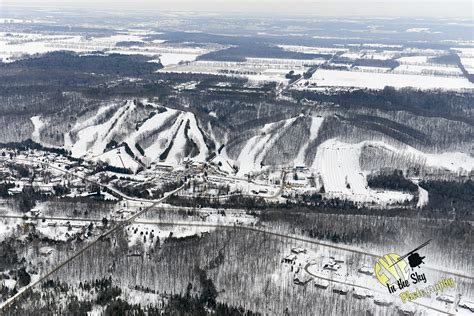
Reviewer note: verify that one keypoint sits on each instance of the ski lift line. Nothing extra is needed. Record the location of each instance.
(121, 160)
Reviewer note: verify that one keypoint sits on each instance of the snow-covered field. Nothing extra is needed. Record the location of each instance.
(15, 45)
(312, 49)
(62, 231)
(430, 70)
(336, 78)
(255, 69)
(168, 59)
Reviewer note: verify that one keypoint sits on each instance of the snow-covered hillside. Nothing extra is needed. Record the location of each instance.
(135, 134)
(251, 156)
(151, 133)
(145, 132)
(338, 164)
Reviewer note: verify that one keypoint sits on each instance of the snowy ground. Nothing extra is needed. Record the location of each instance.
(254, 151)
(118, 157)
(338, 165)
(313, 49)
(15, 45)
(337, 78)
(38, 125)
(437, 70)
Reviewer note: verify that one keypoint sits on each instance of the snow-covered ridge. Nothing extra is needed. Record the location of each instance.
(253, 153)
(134, 134)
(151, 132)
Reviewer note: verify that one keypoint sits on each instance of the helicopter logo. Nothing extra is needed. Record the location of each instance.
(414, 259)
(392, 269)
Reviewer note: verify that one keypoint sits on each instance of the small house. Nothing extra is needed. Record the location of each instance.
(320, 283)
(298, 250)
(290, 259)
(301, 280)
(341, 289)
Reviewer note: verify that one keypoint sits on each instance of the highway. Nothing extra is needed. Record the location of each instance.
(156, 203)
(248, 228)
(124, 223)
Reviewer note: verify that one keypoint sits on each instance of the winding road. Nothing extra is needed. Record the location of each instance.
(119, 225)
(156, 203)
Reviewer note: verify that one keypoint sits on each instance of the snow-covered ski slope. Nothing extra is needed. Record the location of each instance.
(316, 123)
(170, 136)
(162, 136)
(254, 151)
(133, 134)
(38, 125)
(92, 136)
(118, 157)
(338, 164)
(171, 129)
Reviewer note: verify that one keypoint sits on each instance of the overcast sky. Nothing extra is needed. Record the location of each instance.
(413, 8)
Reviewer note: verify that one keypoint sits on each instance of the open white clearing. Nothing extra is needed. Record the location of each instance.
(336, 78)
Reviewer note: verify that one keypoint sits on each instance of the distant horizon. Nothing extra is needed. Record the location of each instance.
(339, 8)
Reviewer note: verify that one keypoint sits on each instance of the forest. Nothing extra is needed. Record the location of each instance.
(240, 53)
(391, 181)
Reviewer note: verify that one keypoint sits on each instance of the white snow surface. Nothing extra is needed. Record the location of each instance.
(314, 131)
(338, 164)
(256, 147)
(168, 59)
(338, 78)
(118, 157)
(38, 125)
